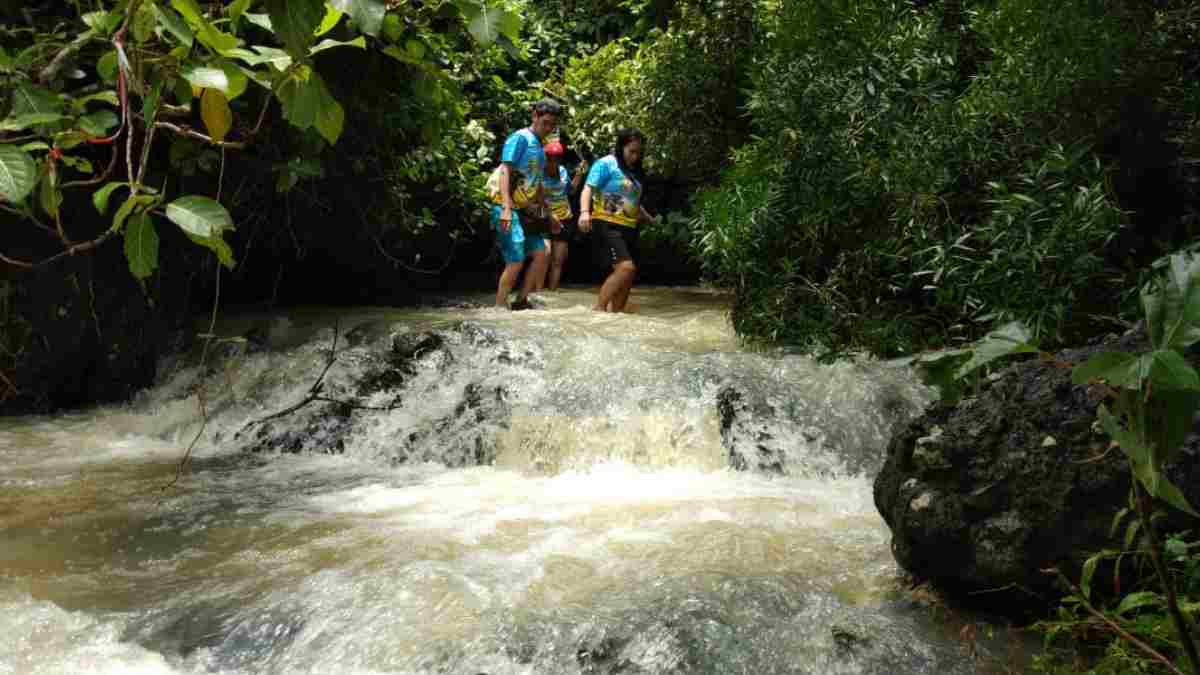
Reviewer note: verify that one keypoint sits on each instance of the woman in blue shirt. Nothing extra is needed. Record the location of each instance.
(613, 198)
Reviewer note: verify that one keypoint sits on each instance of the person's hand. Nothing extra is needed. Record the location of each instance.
(585, 222)
(555, 224)
(505, 219)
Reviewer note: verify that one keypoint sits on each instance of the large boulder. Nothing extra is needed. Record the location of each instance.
(982, 496)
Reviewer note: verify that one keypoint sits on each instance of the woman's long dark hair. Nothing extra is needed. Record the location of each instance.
(624, 137)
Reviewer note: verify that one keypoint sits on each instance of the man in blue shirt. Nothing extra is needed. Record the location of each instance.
(520, 206)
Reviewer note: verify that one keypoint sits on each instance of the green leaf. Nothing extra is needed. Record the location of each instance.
(143, 23)
(1115, 367)
(485, 26)
(1012, 338)
(49, 196)
(236, 9)
(106, 67)
(199, 216)
(261, 20)
(295, 21)
(100, 197)
(1140, 599)
(151, 102)
(1089, 570)
(175, 25)
(98, 21)
(1116, 522)
(1176, 548)
(78, 163)
(22, 122)
(238, 81)
(34, 146)
(29, 99)
(1168, 370)
(332, 17)
(415, 48)
(133, 204)
(1173, 305)
(205, 31)
(203, 77)
(359, 42)
(141, 246)
(366, 14)
(18, 174)
(99, 123)
(214, 110)
(330, 120)
(301, 98)
(218, 246)
(1131, 533)
(1172, 495)
(108, 96)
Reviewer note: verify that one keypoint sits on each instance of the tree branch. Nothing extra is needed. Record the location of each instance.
(314, 392)
(191, 133)
(1126, 635)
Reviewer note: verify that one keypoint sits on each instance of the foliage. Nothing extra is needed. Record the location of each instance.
(131, 73)
(1150, 402)
(942, 170)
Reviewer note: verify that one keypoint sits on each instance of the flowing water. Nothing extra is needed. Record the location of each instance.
(549, 491)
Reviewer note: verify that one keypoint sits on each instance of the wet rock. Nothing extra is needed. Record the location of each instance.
(324, 433)
(979, 501)
(742, 433)
(466, 437)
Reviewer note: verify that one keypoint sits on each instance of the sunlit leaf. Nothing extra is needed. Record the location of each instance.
(1012, 338)
(295, 21)
(199, 216)
(18, 174)
(101, 197)
(366, 14)
(175, 25)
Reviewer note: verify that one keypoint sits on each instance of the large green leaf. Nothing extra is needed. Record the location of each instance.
(332, 17)
(1169, 421)
(218, 246)
(205, 31)
(1167, 369)
(175, 25)
(1115, 367)
(28, 99)
(136, 204)
(331, 119)
(236, 9)
(1011, 338)
(18, 174)
(99, 123)
(1173, 305)
(1140, 599)
(204, 77)
(485, 26)
(199, 216)
(23, 122)
(366, 14)
(301, 98)
(141, 246)
(261, 20)
(295, 21)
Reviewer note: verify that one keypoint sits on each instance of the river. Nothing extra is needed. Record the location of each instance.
(550, 491)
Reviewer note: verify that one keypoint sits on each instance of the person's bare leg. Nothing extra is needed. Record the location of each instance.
(621, 297)
(540, 280)
(537, 271)
(508, 278)
(622, 272)
(559, 252)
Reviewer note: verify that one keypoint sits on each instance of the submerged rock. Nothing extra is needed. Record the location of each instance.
(982, 496)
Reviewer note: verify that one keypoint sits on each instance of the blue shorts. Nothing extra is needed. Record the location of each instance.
(515, 247)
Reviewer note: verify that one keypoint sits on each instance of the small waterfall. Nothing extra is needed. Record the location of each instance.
(477, 491)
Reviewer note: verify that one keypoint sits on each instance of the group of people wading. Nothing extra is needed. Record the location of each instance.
(532, 192)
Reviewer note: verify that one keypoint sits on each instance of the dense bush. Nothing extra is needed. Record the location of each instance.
(924, 172)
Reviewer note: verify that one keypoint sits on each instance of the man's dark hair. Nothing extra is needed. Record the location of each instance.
(624, 138)
(547, 106)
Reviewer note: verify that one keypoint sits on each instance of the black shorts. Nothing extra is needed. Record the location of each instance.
(568, 230)
(614, 243)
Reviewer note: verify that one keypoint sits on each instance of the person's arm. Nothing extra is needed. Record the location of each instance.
(505, 196)
(585, 210)
(580, 174)
(644, 215)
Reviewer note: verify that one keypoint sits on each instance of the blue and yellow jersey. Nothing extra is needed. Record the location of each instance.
(523, 151)
(616, 197)
(558, 194)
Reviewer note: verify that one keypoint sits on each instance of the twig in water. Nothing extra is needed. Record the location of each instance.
(314, 392)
